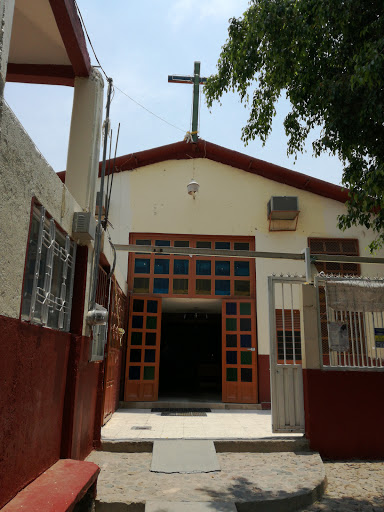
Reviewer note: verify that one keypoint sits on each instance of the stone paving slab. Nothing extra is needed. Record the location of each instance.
(182, 506)
(218, 424)
(181, 456)
(289, 480)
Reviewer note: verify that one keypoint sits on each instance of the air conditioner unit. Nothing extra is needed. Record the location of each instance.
(83, 226)
(283, 208)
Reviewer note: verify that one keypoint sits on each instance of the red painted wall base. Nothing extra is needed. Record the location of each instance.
(264, 380)
(344, 413)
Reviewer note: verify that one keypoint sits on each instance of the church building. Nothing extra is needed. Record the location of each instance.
(198, 321)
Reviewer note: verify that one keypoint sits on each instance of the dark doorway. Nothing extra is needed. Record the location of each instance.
(190, 356)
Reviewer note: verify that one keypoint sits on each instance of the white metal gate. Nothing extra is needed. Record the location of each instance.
(285, 354)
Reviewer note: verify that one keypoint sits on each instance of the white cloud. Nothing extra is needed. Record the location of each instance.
(215, 10)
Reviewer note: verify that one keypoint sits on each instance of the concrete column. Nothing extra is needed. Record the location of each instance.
(84, 140)
(311, 357)
(7, 8)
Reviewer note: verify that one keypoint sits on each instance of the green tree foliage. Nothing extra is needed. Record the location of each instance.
(327, 57)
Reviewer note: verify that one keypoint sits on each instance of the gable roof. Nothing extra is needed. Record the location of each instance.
(204, 149)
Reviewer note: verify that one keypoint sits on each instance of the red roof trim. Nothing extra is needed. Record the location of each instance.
(204, 149)
(71, 31)
(41, 74)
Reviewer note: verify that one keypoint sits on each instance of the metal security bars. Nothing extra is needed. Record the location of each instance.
(48, 280)
(285, 349)
(350, 335)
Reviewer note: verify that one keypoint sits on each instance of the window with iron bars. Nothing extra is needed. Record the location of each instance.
(49, 273)
(333, 246)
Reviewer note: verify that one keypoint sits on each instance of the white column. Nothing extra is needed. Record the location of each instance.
(84, 140)
(311, 358)
(7, 8)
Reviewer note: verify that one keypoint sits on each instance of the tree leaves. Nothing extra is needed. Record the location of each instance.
(327, 56)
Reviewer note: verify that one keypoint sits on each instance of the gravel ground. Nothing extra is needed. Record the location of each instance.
(352, 486)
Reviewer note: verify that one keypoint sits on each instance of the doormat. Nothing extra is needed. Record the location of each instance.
(197, 411)
(181, 456)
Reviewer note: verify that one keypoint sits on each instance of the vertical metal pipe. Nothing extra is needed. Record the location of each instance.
(195, 112)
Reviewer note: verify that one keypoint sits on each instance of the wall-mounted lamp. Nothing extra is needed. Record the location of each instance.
(192, 188)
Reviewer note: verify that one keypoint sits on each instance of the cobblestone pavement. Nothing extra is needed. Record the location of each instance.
(352, 486)
(218, 424)
(125, 477)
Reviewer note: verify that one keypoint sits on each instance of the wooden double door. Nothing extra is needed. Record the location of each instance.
(239, 350)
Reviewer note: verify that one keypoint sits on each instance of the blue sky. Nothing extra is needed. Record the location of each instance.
(139, 44)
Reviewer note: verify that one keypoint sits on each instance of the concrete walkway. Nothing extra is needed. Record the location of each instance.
(141, 424)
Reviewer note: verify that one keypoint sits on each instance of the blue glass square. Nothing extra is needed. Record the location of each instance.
(161, 266)
(241, 268)
(222, 245)
(142, 266)
(181, 267)
(222, 287)
(137, 322)
(134, 373)
(160, 285)
(152, 306)
(203, 268)
(231, 357)
(162, 243)
(231, 308)
(245, 341)
(222, 268)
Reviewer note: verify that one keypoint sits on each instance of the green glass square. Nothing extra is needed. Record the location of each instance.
(242, 288)
(245, 308)
(231, 374)
(231, 324)
(141, 285)
(180, 286)
(149, 372)
(136, 338)
(246, 357)
(203, 286)
(151, 322)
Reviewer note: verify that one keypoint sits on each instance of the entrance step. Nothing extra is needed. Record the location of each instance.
(189, 404)
(249, 481)
(266, 445)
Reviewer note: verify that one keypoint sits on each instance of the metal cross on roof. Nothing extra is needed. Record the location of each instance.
(196, 80)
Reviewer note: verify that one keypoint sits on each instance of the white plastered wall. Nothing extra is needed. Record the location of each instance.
(230, 202)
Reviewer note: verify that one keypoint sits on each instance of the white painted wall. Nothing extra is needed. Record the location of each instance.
(230, 202)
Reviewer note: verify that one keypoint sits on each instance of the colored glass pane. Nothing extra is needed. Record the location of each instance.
(137, 322)
(203, 245)
(241, 246)
(142, 265)
(150, 338)
(152, 306)
(246, 375)
(181, 267)
(162, 243)
(138, 306)
(231, 324)
(142, 242)
(151, 322)
(222, 287)
(149, 356)
(222, 268)
(231, 308)
(243, 288)
(245, 341)
(222, 245)
(136, 338)
(231, 374)
(203, 286)
(203, 268)
(246, 358)
(180, 286)
(149, 372)
(141, 285)
(134, 373)
(245, 324)
(161, 266)
(160, 285)
(245, 308)
(241, 268)
(135, 355)
(231, 357)
(231, 340)
(181, 243)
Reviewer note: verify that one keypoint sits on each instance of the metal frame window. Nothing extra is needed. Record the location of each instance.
(49, 273)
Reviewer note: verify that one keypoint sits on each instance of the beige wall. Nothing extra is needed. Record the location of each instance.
(230, 202)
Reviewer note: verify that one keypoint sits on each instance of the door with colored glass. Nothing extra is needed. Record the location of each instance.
(239, 351)
(143, 350)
